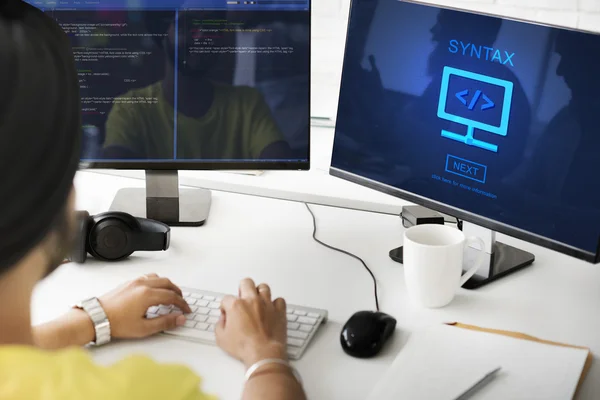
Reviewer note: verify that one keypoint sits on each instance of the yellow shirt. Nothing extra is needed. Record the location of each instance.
(237, 126)
(27, 373)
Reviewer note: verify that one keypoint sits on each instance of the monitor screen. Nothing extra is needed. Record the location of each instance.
(492, 119)
(191, 81)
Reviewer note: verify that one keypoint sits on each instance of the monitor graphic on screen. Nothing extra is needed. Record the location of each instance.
(477, 101)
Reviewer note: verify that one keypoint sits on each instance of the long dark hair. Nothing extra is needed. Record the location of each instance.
(40, 127)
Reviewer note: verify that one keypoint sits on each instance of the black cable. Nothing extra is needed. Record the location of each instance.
(314, 235)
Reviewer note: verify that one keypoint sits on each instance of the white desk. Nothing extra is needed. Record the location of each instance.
(270, 240)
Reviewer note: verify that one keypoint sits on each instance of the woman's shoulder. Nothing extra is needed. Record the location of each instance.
(27, 372)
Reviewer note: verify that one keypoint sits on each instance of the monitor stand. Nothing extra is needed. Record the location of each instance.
(162, 200)
(501, 259)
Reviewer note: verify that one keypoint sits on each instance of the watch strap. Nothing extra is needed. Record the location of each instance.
(101, 323)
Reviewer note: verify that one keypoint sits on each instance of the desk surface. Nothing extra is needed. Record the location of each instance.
(270, 240)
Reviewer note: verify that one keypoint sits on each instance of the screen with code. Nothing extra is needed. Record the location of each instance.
(190, 81)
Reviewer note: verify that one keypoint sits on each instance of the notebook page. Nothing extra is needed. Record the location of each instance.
(440, 363)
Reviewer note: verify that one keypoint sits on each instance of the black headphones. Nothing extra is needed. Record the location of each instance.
(113, 236)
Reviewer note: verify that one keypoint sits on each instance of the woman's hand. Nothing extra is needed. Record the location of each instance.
(252, 327)
(126, 307)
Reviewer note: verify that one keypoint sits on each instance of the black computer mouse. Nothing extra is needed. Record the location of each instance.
(365, 333)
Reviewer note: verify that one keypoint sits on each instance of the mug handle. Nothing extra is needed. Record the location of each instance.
(480, 259)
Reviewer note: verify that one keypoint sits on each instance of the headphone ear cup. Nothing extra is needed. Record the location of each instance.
(79, 250)
(153, 235)
(111, 239)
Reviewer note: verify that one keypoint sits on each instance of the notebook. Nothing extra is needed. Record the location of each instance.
(442, 362)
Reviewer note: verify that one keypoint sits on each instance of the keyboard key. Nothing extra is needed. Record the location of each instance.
(210, 298)
(300, 312)
(202, 303)
(290, 310)
(211, 328)
(305, 328)
(150, 316)
(193, 334)
(293, 325)
(293, 352)
(189, 324)
(200, 318)
(164, 310)
(218, 299)
(185, 294)
(212, 320)
(203, 310)
(297, 334)
(194, 308)
(313, 315)
(306, 320)
(152, 310)
(196, 295)
(295, 342)
(214, 305)
(215, 313)
(191, 301)
(176, 309)
(201, 326)
(292, 318)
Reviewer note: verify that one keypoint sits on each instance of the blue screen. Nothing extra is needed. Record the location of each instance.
(460, 109)
(190, 80)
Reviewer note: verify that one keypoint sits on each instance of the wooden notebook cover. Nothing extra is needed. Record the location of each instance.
(517, 335)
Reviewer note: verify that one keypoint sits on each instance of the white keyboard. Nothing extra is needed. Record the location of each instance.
(303, 322)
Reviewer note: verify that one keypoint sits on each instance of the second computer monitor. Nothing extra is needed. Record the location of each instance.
(492, 120)
(191, 84)
(170, 85)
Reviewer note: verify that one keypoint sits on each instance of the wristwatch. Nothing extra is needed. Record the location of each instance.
(101, 324)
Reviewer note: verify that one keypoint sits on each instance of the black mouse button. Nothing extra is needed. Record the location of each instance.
(360, 330)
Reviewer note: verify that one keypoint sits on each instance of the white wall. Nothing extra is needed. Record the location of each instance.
(329, 34)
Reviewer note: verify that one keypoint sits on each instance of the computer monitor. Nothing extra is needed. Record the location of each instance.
(170, 85)
(491, 120)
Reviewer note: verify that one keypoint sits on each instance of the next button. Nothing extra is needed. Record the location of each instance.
(465, 168)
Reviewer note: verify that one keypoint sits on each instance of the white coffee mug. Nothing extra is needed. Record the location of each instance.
(433, 263)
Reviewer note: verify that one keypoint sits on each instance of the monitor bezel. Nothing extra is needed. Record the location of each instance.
(454, 211)
(216, 165)
(271, 165)
(467, 216)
